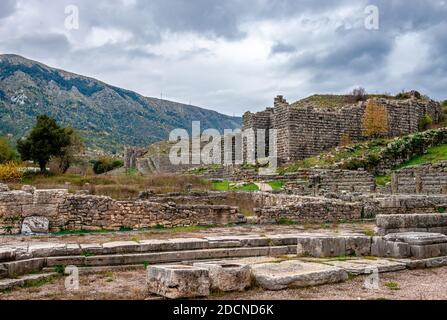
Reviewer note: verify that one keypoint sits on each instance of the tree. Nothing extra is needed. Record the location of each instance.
(69, 153)
(375, 120)
(7, 153)
(47, 139)
(359, 94)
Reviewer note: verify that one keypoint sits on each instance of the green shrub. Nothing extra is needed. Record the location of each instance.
(425, 123)
(106, 164)
(7, 153)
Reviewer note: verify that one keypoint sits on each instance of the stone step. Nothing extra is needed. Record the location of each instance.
(7, 284)
(41, 250)
(169, 257)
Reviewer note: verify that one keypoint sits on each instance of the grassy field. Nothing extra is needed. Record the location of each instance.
(433, 155)
(247, 187)
(121, 187)
(359, 150)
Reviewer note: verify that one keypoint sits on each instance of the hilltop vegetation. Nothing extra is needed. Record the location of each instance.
(107, 117)
(380, 155)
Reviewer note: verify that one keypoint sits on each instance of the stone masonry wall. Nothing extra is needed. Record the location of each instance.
(76, 212)
(424, 179)
(308, 131)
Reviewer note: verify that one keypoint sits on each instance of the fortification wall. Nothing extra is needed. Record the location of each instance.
(305, 131)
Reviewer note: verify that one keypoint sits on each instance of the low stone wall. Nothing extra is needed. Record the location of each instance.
(397, 223)
(75, 212)
(424, 179)
(316, 211)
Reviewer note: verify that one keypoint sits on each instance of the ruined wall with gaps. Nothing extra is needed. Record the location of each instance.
(66, 211)
(423, 179)
(308, 131)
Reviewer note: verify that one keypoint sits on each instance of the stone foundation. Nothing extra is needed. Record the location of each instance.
(423, 179)
(66, 211)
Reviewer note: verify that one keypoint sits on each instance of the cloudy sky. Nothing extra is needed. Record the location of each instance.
(236, 55)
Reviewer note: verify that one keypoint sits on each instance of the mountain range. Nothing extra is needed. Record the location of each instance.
(107, 117)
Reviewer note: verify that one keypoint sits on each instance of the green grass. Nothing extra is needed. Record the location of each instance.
(229, 186)
(392, 285)
(369, 149)
(382, 180)
(433, 155)
(276, 185)
(287, 222)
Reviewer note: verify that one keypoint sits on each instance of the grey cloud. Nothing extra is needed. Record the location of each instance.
(7, 8)
(330, 60)
(39, 45)
(281, 47)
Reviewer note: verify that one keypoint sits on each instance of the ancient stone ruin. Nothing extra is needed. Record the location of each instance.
(304, 129)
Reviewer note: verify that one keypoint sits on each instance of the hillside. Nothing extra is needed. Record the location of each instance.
(108, 117)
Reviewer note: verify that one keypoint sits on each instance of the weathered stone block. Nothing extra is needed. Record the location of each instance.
(177, 281)
(33, 225)
(363, 266)
(227, 277)
(321, 247)
(428, 251)
(293, 274)
(383, 248)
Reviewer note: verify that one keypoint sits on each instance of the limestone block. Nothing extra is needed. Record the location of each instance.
(17, 268)
(44, 210)
(417, 238)
(3, 271)
(41, 250)
(428, 251)
(293, 274)
(363, 266)
(4, 187)
(7, 254)
(120, 247)
(227, 277)
(358, 245)
(177, 281)
(383, 248)
(189, 244)
(436, 262)
(33, 225)
(92, 248)
(320, 247)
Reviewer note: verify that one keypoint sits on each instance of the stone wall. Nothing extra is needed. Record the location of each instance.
(305, 131)
(319, 210)
(424, 179)
(309, 181)
(66, 211)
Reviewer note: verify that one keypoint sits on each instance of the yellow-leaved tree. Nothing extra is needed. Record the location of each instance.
(375, 120)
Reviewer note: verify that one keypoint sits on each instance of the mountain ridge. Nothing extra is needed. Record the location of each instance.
(108, 117)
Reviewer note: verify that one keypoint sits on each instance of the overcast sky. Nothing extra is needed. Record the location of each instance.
(236, 55)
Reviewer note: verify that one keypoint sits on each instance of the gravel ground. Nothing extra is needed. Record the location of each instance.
(360, 227)
(425, 284)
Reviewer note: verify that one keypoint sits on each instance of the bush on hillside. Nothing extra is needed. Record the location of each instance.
(106, 164)
(425, 123)
(7, 153)
(10, 172)
(375, 120)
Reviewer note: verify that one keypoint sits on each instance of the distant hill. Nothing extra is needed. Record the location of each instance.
(108, 117)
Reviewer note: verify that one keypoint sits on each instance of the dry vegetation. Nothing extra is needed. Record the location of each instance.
(126, 186)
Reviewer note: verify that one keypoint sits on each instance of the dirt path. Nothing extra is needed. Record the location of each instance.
(426, 284)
